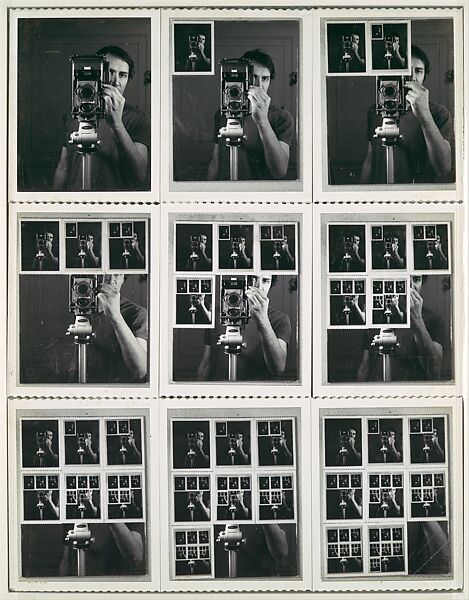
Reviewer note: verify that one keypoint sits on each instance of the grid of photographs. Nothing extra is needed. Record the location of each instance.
(231, 230)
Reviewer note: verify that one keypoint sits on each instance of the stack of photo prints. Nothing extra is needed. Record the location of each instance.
(237, 301)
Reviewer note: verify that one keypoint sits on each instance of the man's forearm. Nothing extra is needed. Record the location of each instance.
(130, 544)
(135, 357)
(277, 542)
(274, 355)
(439, 149)
(134, 164)
(429, 358)
(275, 157)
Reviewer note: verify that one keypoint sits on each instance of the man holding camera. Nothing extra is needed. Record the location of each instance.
(423, 153)
(420, 353)
(350, 59)
(120, 160)
(347, 255)
(45, 455)
(265, 152)
(86, 257)
(266, 335)
(198, 259)
(197, 54)
(44, 259)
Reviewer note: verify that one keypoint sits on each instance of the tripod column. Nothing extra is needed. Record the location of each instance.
(232, 564)
(86, 172)
(82, 362)
(232, 366)
(234, 163)
(81, 562)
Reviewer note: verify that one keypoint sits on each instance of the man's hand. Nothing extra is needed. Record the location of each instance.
(258, 303)
(114, 103)
(260, 103)
(109, 297)
(418, 98)
(416, 305)
(89, 245)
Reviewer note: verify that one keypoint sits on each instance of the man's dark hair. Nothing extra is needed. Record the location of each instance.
(273, 281)
(420, 54)
(120, 53)
(262, 58)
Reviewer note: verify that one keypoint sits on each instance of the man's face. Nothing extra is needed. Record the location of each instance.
(118, 72)
(114, 280)
(261, 76)
(49, 237)
(203, 238)
(416, 282)
(200, 436)
(262, 282)
(355, 39)
(417, 70)
(201, 38)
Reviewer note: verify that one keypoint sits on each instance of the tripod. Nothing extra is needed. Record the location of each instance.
(82, 334)
(193, 313)
(346, 310)
(233, 134)
(345, 60)
(40, 256)
(387, 343)
(86, 140)
(232, 539)
(80, 537)
(389, 134)
(232, 342)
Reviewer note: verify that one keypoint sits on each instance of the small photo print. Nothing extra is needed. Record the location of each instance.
(83, 245)
(41, 493)
(278, 247)
(344, 496)
(347, 249)
(191, 445)
(40, 246)
(343, 442)
(40, 443)
(127, 245)
(124, 441)
(388, 247)
(193, 47)
(385, 441)
(427, 440)
(389, 46)
(82, 442)
(233, 443)
(235, 247)
(194, 247)
(275, 442)
(346, 48)
(194, 300)
(431, 246)
(344, 550)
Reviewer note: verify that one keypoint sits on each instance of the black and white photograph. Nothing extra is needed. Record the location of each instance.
(233, 443)
(343, 442)
(194, 247)
(40, 245)
(83, 104)
(127, 245)
(278, 247)
(234, 498)
(386, 549)
(87, 329)
(347, 248)
(427, 440)
(254, 336)
(83, 497)
(235, 247)
(191, 445)
(241, 122)
(81, 442)
(428, 494)
(124, 441)
(191, 498)
(269, 550)
(41, 497)
(83, 245)
(193, 47)
(344, 550)
(275, 444)
(390, 301)
(344, 496)
(429, 548)
(386, 499)
(390, 44)
(397, 126)
(194, 299)
(125, 496)
(276, 498)
(388, 247)
(347, 302)
(192, 552)
(385, 443)
(431, 247)
(346, 48)
(40, 444)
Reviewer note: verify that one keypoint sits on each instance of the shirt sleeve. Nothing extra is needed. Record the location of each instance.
(140, 129)
(138, 323)
(443, 121)
(283, 127)
(282, 327)
(436, 328)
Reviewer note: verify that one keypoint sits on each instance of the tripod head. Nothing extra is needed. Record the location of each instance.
(80, 536)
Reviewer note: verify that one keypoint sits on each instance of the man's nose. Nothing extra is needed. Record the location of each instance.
(113, 79)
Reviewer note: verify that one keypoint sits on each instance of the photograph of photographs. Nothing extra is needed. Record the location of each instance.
(101, 104)
(244, 104)
(403, 107)
(393, 297)
(83, 245)
(193, 48)
(127, 245)
(88, 509)
(236, 515)
(40, 249)
(388, 515)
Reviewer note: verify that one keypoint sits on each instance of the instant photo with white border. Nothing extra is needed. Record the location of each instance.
(321, 159)
(153, 17)
(445, 410)
(394, 216)
(225, 215)
(31, 411)
(194, 410)
(268, 190)
(148, 220)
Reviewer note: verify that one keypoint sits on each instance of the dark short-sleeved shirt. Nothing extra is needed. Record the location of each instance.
(251, 364)
(411, 160)
(105, 363)
(405, 363)
(251, 158)
(106, 172)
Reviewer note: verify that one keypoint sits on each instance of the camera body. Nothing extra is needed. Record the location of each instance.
(347, 43)
(83, 294)
(234, 303)
(391, 94)
(89, 73)
(237, 76)
(193, 42)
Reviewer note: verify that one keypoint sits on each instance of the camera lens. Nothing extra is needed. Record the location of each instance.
(233, 299)
(86, 92)
(234, 92)
(83, 288)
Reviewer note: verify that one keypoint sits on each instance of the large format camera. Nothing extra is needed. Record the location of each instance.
(89, 73)
(83, 294)
(234, 303)
(236, 79)
(391, 94)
